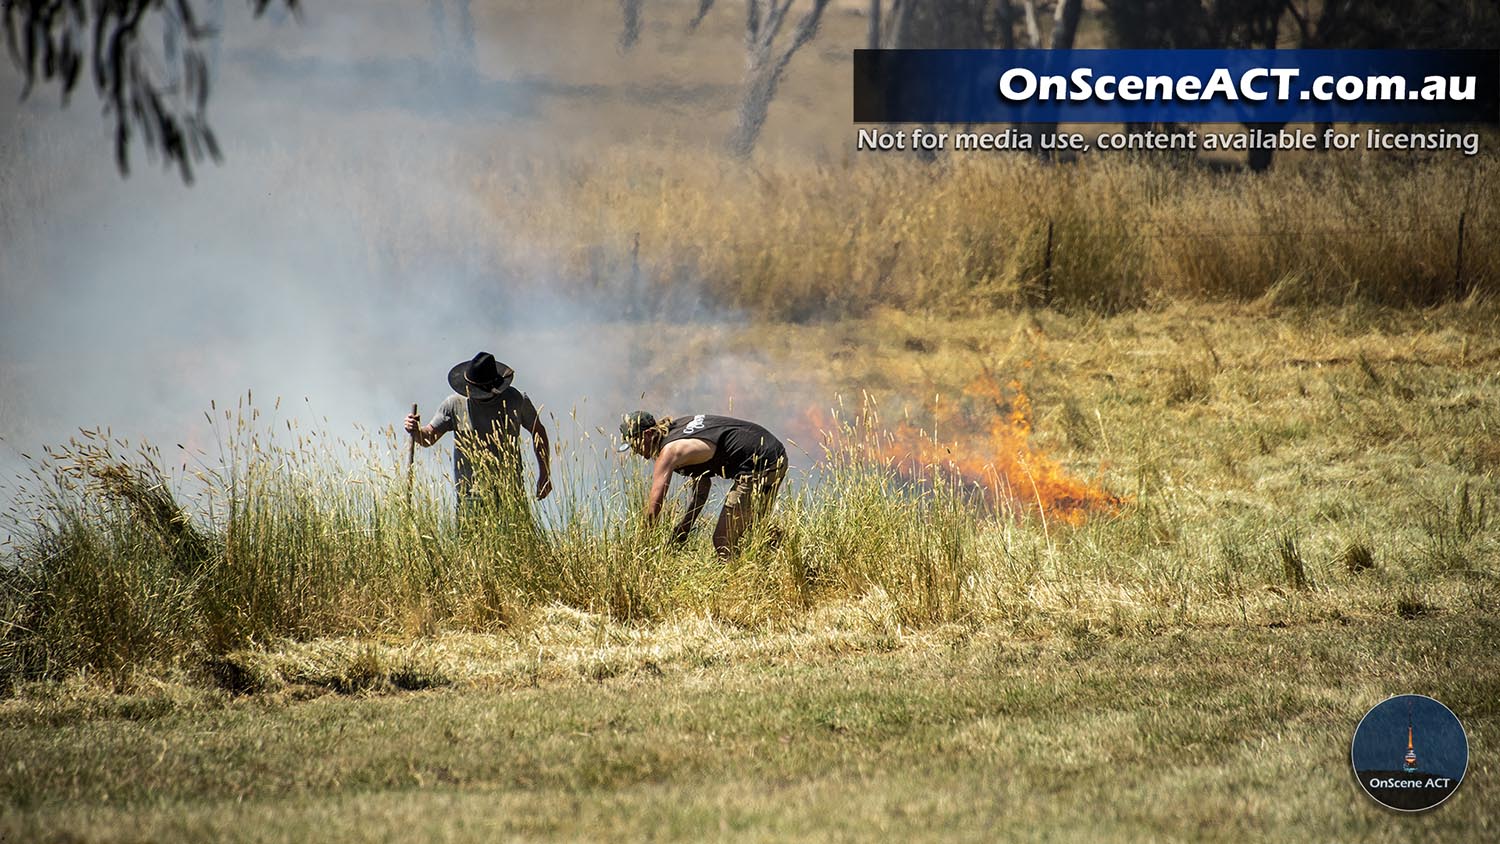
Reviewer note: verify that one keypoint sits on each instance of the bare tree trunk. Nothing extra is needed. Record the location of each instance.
(1005, 14)
(1033, 32)
(764, 19)
(704, 7)
(905, 31)
(216, 21)
(1064, 28)
(760, 88)
(1259, 160)
(1005, 20)
(1065, 23)
(630, 23)
(873, 36)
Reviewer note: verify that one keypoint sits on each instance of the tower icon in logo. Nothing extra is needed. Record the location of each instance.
(1409, 764)
(1400, 781)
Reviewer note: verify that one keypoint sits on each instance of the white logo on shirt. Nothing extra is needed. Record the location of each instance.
(695, 425)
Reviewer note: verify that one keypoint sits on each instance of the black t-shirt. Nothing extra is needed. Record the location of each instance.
(740, 447)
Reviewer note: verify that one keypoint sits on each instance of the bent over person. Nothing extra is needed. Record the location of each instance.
(487, 416)
(703, 447)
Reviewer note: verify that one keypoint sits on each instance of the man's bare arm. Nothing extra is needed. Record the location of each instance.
(661, 481)
(688, 452)
(695, 506)
(543, 449)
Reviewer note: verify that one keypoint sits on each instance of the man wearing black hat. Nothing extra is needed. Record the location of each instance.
(487, 416)
(703, 447)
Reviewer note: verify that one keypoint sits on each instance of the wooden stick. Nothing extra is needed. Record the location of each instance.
(411, 454)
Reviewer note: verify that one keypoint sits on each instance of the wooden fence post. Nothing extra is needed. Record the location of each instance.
(1458, 262)
(1047, 268)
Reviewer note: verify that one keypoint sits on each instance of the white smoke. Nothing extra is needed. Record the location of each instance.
(340, 254)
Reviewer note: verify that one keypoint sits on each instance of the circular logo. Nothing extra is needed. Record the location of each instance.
(1409, 753)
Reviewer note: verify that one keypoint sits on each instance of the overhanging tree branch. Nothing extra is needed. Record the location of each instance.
(47, 40)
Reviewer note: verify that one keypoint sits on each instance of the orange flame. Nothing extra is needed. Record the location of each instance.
(983, 442)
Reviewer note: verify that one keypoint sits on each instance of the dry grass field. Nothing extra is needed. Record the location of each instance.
(698, 732)
(1306, 528)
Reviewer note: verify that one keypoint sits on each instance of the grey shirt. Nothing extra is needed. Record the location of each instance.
(494, 425)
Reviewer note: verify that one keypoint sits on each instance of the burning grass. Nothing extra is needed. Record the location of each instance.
(981, 445)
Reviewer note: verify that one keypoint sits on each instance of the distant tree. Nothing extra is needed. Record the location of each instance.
(896, 24)
(147, 61)
(767, 56)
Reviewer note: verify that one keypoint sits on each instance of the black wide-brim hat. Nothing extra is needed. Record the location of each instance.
(481, 378)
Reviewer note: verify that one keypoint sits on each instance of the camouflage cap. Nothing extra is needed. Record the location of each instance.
(635, 424)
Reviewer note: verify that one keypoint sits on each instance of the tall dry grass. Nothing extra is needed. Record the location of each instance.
(118, 563)
(789, 239)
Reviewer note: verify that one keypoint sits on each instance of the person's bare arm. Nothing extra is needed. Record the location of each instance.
(695, 506)
(543, 449)
(686, 452)
(423, 434)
